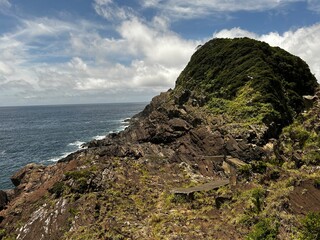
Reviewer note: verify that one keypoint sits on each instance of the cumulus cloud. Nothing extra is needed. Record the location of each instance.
(143, 56)
(195, 9)
(303, 42)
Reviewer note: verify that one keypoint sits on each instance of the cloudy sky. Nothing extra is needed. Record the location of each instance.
(94, 51)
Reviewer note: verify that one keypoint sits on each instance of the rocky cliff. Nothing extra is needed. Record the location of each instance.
(237, 112)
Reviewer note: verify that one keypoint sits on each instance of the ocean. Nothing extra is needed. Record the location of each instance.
(45, 134)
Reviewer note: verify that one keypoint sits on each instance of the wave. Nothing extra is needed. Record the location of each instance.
(77, 143)
(99, 137)
(3, 152)
(124, 124)
(56, 159)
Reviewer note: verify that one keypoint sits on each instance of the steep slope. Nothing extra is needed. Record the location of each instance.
(216, 124)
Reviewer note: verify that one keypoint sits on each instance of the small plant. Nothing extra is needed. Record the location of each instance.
(310, 227)
(257, 197)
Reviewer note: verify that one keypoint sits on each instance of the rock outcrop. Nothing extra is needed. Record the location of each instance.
(233, 98)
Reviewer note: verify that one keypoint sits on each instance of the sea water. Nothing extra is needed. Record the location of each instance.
(45, 134)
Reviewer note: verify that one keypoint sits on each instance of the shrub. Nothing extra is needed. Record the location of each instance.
(57, 189)
(257, 198)
(265, 229)
(310, 227)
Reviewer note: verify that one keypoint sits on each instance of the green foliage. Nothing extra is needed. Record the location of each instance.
(249, 79)
(259, 167)
(310, 227)
(302, 136)
(245, 170)
(257, 198)
(2, 233)
(76, 175)
(81, 179)
(274, 174)
(265, 229)
(316, 183)
(180, 198)
(57, 189)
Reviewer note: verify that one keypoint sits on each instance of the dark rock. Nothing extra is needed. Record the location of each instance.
(3, 199)
(183, 98)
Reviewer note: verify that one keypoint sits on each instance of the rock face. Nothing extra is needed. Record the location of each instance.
(226, 102)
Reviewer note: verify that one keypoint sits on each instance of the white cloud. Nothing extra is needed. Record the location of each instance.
(5, 69)
(145, 56)
(197, 8)
(111, 11)
(303, 42)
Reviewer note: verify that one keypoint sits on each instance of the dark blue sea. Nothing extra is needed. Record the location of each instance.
(44, 134)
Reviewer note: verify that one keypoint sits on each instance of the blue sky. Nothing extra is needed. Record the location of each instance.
(91, 51)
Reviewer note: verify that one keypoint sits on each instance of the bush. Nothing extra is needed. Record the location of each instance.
(57, 189)
(265, 229)
(310, 227)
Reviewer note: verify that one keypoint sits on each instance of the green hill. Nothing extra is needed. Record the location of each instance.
(248, 80)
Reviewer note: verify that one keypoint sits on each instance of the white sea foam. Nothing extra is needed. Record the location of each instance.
(56, 159)
(3, 152)
(77, 143)
(99, 137)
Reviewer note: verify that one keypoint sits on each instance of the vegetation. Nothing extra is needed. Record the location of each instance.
(310, 227)
(265, 229)
(248, 80)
